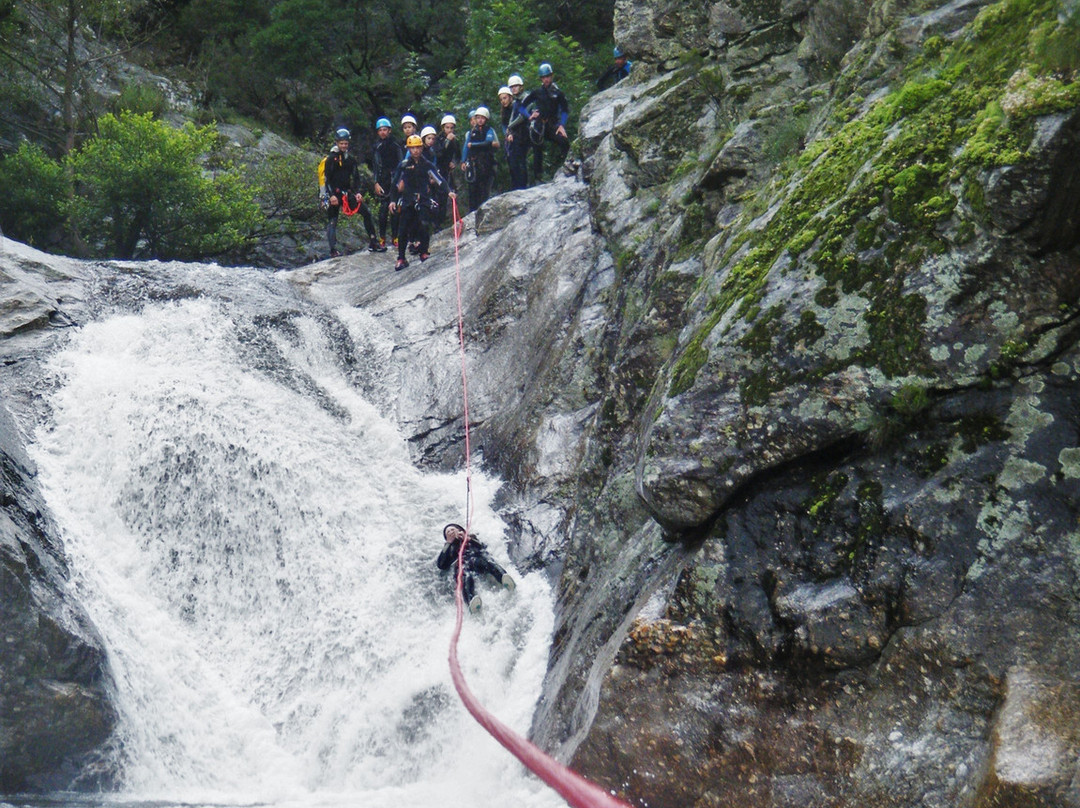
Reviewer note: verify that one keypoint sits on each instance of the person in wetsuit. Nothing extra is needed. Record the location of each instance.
(477, 562)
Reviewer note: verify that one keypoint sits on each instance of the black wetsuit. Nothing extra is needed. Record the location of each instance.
(386, 154)
(343, 181)
(419, 180)
(554, 109)
(477, 562)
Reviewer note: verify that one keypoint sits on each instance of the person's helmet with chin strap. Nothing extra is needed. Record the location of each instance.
(342, 134)
(414, 140)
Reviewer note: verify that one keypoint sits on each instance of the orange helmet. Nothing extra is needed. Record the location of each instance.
(414, 140)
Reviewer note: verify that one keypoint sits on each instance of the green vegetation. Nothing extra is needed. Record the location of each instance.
(299, 67)
(142, 191)
(35, 191)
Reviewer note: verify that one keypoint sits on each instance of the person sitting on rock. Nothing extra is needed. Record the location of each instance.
(477, 562)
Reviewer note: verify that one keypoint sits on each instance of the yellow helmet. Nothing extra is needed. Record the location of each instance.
(414, 140)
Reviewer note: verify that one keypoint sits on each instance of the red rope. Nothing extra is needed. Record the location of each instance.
(575, 789)
(345, 204)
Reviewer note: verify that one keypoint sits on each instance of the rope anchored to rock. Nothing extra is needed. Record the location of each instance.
(575, 789)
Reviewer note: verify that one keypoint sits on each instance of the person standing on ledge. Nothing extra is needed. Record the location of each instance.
(547, 120)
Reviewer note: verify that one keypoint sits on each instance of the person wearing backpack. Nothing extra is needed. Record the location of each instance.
(478, 158)
(339, 179)
(386, 154)
(412, 187)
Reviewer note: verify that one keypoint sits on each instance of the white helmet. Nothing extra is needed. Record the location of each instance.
(482, 111)
(505, 91)
(428, 130)
(408, 119)
(515, 81)
(448, 119)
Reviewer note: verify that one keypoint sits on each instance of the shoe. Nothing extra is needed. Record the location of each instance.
(400, 265)
(373, 246)
(335, 254)
(508, 582)
(424, 257)
(414, 249)
(475, 604)
(382, 246)
(395, 242)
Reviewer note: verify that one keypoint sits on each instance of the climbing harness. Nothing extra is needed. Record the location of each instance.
(571, 786)
(536, 131)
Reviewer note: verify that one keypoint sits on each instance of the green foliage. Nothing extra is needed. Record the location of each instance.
(910, 400)
(142, 191)
(286, 183)
(141, 99)
(502, 39)
(35, 191)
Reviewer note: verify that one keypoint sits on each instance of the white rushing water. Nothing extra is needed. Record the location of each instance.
(257, 551)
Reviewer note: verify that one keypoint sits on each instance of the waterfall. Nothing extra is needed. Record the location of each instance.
(252, 541)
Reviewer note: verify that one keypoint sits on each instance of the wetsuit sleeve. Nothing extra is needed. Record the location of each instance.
(448, 555)
(564, 110)
(465, 150)
(395, 194)
(438, 178)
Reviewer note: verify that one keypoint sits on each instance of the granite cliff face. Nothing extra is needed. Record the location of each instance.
(862, 223)
(783, 385)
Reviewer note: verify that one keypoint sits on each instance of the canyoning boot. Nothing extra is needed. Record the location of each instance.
(424, 257)
(400, 265)
(508, 582)
(335, 254)
(373, 245)
(414, 248)
(382, 246)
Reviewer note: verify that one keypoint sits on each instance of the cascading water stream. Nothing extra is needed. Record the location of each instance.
(257, 550)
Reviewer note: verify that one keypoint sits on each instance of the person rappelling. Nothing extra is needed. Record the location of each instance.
(478, 561)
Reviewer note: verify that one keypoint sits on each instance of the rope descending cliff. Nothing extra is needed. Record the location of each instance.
(575, 789)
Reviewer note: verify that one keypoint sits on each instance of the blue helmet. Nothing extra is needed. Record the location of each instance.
(618, 52)
(343, 134)
(545, 70)
(379, 124)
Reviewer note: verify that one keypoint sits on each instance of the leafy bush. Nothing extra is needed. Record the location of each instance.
(142, 192)
(35, 192)
(141, 98)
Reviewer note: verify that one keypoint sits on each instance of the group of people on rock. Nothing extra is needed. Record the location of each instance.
(414, 177)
